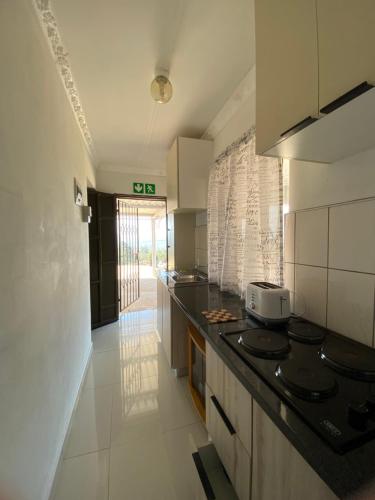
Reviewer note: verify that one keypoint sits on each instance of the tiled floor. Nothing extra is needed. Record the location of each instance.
(135, 427)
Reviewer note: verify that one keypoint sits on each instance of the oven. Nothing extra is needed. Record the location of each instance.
(197, 369)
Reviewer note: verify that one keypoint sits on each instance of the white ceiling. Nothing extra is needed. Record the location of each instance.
(114, 48)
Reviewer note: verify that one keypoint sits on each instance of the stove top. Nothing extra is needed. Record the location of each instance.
(328, 379)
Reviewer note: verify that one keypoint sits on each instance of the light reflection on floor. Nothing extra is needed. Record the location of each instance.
(135, 427)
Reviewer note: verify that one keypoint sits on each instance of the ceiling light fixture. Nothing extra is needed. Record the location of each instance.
(161, 88)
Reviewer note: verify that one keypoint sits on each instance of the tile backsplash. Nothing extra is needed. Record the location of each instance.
(329, 259)
(201, 261)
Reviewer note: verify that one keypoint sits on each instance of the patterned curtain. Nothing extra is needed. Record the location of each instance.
(245, 217)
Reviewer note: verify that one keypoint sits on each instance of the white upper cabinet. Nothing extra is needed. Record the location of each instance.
(188, 164)
(311, 57)
(286, 67)
(346, 42)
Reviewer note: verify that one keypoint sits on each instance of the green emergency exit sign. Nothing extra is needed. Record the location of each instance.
(143, 188)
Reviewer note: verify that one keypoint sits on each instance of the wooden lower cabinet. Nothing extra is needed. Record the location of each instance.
(279, 471)
(167, 325)
(232, 395)
(260, 461)
(172, 328)
(159, 307)
(232, 453)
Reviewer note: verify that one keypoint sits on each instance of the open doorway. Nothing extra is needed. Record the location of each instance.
(142, 250)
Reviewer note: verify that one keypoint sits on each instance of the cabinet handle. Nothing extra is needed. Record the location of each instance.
(203, 476)
(347, 97)
(298, 126)
(222, 414)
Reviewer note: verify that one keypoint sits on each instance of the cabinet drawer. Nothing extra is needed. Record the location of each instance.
(231, 394)
(232, 453)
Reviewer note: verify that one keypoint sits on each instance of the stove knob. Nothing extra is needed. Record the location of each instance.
(358, 414)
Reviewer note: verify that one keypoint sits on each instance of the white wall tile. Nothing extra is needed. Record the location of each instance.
(311, 232)
(289, 281)
(351, 304)
(352, 237)
(311, 293)
(289, 225)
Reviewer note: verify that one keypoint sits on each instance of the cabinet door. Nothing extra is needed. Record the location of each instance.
(167, 330)
(346, 38)
(172, 178)
(279, 471)
(194, 160)
(286, 67)
(231, 394)
(232, 453)
(159, 307)
(179, 348)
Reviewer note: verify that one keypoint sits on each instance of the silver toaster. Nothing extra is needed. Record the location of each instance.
(267, 302)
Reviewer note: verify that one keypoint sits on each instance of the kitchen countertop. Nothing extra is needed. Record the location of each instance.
(345, 474)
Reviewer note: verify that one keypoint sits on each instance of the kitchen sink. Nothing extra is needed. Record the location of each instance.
(185, 278)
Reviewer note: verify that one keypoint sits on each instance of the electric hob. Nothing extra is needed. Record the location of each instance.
(328, 379)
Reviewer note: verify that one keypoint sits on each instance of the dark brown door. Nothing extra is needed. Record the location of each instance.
(103, 258)
(128, 252)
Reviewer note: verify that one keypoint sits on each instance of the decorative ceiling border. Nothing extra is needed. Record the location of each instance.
(49, 25)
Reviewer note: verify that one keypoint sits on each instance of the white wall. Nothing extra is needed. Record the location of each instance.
(240, 122)
(330, 244)
(235, 117)
(122, 183)
(45, 337)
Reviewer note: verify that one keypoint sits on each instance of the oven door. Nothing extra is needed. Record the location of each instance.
(197, 370)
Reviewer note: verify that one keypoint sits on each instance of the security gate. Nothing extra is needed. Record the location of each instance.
(128, 248)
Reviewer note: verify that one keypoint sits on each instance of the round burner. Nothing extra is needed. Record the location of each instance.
(349, 358)
(264, 343)
(306, 332)
(313, 382)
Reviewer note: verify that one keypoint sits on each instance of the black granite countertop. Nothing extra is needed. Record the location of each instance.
(346, 474)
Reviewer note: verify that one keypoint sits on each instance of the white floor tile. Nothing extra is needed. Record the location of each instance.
(134, 405)
(180, 445)
(175, 409)
(141, 471)
(84, 478)
(91, 423)
(135, 413)
(104, 369)
(105, 340)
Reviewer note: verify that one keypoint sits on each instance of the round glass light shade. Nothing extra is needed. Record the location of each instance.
(161, 89)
